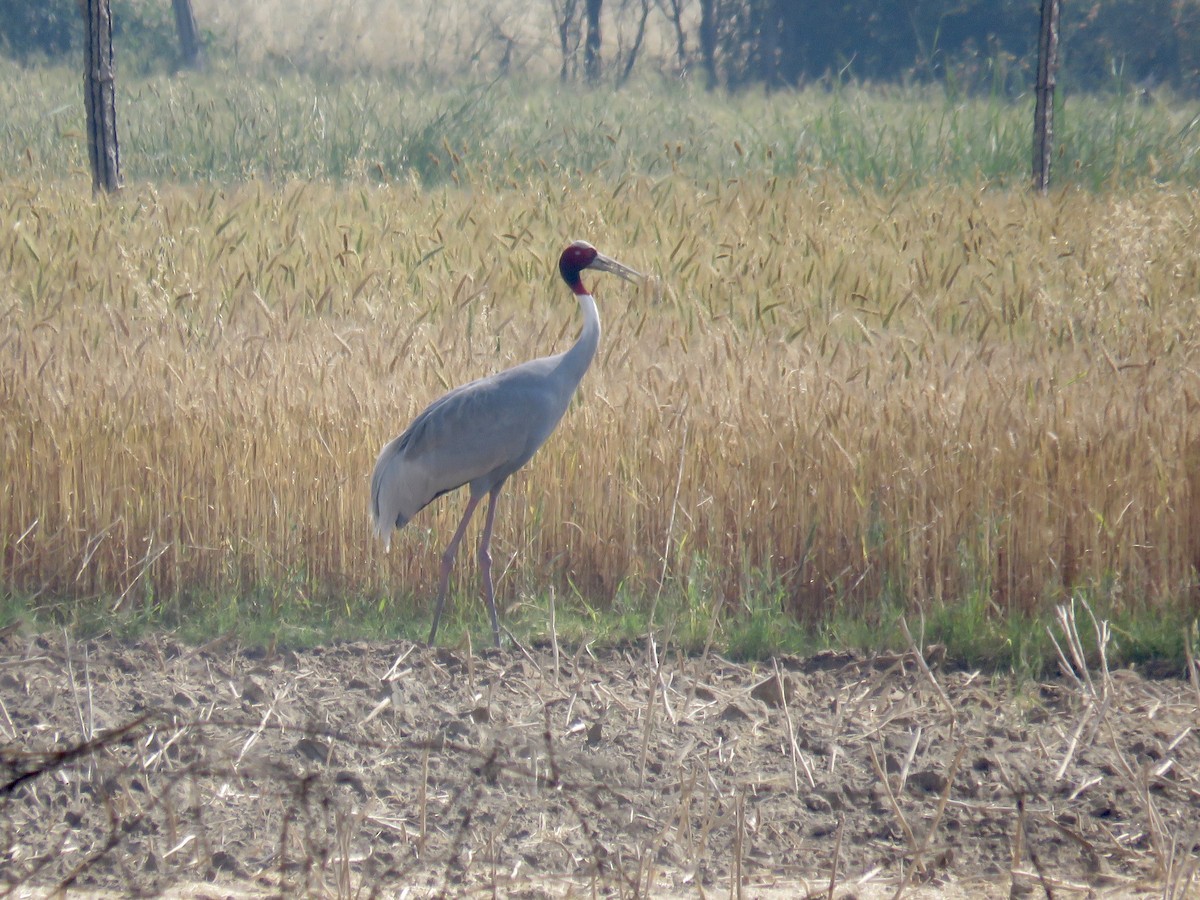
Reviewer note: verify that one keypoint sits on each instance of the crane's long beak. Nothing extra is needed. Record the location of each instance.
(608, 264)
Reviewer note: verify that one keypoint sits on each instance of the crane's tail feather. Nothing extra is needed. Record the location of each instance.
(384, 533)
(390, 490)
(383, 526)
(385, 521)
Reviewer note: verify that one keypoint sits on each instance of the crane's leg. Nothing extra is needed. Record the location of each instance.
(485, 563)
(448, 563)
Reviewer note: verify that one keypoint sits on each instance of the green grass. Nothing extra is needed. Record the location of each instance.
(227, 125)
(689, 619)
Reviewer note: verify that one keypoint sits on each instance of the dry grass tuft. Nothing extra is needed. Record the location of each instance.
(869, 395)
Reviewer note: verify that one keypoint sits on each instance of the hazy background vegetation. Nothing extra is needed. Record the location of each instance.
(873, 375)
(970, 44)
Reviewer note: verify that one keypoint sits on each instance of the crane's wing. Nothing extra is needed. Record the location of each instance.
(477, 434)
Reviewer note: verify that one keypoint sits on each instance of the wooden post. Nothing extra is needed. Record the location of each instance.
(1043, 113)
(100, 97)
(190, 47)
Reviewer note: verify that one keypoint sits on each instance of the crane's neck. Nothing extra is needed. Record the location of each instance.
(576, 360)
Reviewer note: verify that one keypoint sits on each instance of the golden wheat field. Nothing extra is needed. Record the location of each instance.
(853, 394)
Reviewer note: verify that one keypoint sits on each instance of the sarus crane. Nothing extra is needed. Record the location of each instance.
(480, 433)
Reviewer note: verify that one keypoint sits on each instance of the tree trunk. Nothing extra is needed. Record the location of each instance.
(708, 41)
(100, 97)
(1043, 113)
(190, 48)
(770, 24)
(591, 47)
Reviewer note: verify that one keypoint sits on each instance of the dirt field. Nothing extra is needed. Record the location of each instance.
(392, 769)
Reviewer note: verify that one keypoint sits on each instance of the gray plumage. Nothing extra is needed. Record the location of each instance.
(480, 433)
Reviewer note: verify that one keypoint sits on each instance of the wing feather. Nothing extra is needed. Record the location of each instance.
(477, 434)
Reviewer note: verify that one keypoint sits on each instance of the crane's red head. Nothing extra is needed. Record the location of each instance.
(581, 255)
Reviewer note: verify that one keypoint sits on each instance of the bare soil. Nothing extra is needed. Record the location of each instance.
(151, 767)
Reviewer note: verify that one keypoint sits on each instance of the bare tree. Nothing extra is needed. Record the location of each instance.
(578, 23)
(1043, 114)
(673, 10)
(190, 47)
(100, 97)
(638, 38)
(566, 21)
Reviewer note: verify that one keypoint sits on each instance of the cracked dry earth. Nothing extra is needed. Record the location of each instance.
(390, 769)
